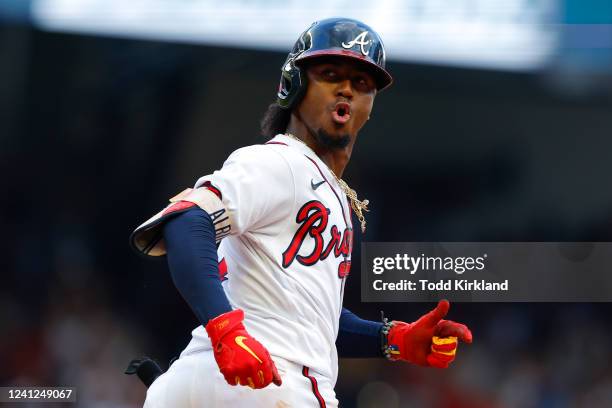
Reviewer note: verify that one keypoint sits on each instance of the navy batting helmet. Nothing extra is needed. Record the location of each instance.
(343, 37)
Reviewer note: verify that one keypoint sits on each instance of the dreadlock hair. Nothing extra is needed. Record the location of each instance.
(275, 120)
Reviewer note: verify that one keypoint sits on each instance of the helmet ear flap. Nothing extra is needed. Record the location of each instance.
(292, 85)
(284, 88)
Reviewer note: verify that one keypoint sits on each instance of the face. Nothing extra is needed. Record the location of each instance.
(338, 100)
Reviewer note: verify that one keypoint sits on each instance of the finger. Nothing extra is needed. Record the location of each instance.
(229, 379)
(444, 344)
(439, 360)
(433, 317)
(448, 328)
(438, 341)
(449, 349)
(276, 378)
(449, 353)
(444, 348)
(260, 377)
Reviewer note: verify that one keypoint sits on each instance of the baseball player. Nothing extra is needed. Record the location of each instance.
(261, 249)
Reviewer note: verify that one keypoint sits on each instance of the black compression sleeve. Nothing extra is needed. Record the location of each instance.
(193, 262)
(358, 337)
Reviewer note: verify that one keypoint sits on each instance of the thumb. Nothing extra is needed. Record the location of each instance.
(433, 317)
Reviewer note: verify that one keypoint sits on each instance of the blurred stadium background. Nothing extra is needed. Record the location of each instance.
(499, 128)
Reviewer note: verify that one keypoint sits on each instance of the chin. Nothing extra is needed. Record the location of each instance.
(337, 139)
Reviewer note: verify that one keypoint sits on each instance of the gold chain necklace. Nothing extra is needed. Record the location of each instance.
(359, 206)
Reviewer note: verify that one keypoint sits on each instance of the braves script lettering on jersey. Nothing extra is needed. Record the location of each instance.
(288, 253)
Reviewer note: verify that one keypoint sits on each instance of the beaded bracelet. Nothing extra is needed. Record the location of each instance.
(387, 349)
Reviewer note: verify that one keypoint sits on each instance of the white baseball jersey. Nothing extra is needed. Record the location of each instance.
(287, 257)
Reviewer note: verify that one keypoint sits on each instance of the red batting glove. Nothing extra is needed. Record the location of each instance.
(428, 342)
(241, 359)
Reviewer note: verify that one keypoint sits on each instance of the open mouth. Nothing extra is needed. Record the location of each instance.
(341, 113)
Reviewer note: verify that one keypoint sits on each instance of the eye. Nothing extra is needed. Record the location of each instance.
(329, 73)
(363, 83)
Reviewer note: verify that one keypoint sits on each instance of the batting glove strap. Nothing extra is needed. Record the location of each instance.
(223, 324)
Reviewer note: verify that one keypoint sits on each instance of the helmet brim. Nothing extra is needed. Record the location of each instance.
(382, 77)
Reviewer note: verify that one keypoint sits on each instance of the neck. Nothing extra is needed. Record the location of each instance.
(335, 158)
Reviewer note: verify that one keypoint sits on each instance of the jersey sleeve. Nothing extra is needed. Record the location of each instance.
(256, 186)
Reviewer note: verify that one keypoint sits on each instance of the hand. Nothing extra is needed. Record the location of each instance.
(430, 341)
(241, 359)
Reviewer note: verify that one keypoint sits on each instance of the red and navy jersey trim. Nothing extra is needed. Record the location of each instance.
(215, 190)
(315, 386)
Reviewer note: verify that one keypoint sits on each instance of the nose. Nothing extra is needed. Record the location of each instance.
(345, 89)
